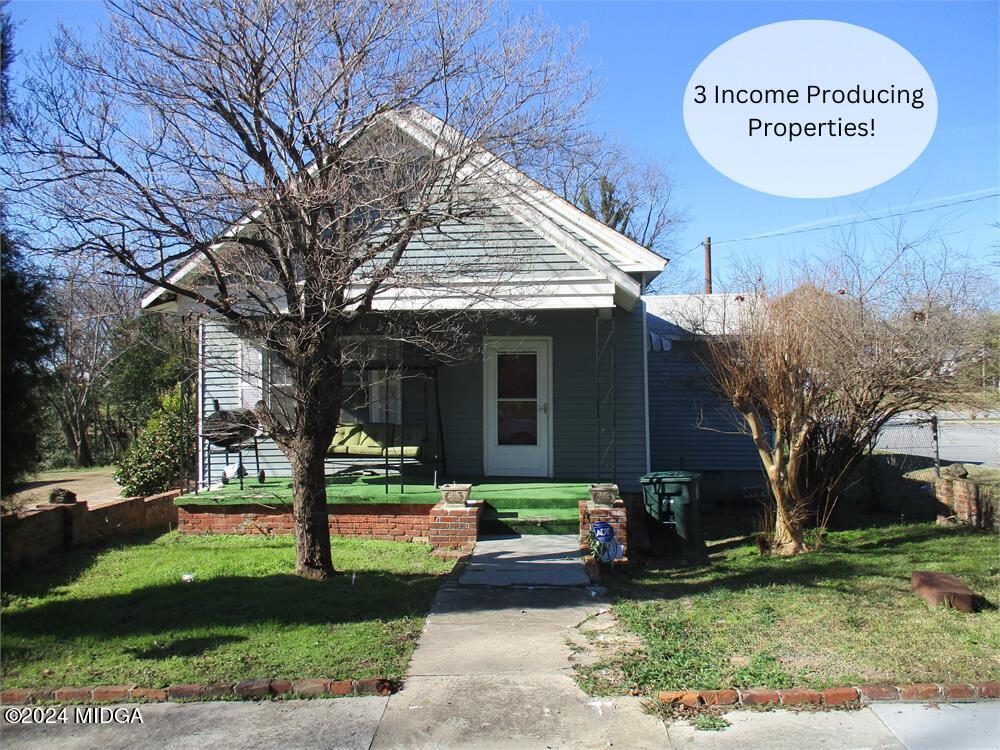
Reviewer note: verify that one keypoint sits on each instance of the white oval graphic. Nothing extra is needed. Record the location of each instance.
(810, 109)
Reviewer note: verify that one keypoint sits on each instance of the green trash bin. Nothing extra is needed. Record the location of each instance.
(673, 515)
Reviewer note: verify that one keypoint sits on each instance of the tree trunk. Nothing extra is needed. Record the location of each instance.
(76, 441)
(319, 394)
(787, 538)
(84, 456)
(312, 532)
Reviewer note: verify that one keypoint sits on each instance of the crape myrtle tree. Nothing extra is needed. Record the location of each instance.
(281, 154)
(816, 362)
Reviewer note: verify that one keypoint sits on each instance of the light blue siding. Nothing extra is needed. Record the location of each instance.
(221, 380)
(574, 414)
(574, 410)
(690, 426)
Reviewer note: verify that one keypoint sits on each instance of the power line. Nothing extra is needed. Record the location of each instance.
(851, 222)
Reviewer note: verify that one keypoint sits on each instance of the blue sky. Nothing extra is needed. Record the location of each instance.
(643, 53)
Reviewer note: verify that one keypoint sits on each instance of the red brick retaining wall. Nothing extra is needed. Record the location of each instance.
(441, 525)
(47, 529)
(969, 502)
(393, 522)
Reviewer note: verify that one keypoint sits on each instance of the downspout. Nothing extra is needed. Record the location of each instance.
(645, 378)
(201, 404)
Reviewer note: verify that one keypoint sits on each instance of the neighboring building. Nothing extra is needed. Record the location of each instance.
(691, 426)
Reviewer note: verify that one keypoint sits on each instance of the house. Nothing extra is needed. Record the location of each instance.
(569, 386)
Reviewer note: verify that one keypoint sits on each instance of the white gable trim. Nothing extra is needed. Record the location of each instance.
(524, 207)
(631, 252)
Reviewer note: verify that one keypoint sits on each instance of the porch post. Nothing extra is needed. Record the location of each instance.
(440, 458)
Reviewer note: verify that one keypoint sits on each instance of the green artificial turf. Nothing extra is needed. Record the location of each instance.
(842, 615)
(123, 615)
(508, 494)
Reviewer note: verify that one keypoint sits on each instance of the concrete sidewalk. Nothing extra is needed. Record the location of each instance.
(882, 726)
(341, 724)
(544, 712)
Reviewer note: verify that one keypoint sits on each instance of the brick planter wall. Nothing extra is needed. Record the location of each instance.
(615, 514)
(454, 526)
(47, 529)
(443, 526)
(968, 502)
(389, 521)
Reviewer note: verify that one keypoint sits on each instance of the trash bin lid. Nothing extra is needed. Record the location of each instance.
(677, 477)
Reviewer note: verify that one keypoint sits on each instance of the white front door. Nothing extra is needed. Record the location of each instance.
(517, 414)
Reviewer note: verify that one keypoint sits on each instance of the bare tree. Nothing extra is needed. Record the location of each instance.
(623, 190)
(818, 363)
(280, 154)
(88, 307)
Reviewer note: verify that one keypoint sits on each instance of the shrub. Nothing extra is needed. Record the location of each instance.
(155, 460)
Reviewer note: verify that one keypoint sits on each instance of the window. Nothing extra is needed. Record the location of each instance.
(354, 407)
(250, 374)
(279, 389)
(385, 401)
(517, 398)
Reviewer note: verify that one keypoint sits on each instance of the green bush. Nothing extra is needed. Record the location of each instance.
(156, 459)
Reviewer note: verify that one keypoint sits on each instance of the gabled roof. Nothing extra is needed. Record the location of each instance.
(609, 256)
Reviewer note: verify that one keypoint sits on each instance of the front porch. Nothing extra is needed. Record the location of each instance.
(509, 493)
(559, 396)
(523, 506)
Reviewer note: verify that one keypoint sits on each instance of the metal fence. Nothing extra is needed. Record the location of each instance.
(946, 437)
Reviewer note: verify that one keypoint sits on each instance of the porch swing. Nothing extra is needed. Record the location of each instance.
(388, 445)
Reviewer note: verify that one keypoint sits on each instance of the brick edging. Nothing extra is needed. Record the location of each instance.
(244, 690)
(958, 692)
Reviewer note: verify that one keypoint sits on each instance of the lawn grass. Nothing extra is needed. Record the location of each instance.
(371, 489)
(840, 616)
(123, 615)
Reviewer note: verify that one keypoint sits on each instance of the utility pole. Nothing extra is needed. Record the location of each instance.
(708, 265)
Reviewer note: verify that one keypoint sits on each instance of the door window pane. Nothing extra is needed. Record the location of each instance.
(517, 423)
(516, 376)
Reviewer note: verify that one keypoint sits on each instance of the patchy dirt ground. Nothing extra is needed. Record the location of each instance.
(593, 644)
(92, 485)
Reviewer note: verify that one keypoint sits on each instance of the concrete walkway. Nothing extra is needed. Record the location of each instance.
(493, 668)
(532, 560)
